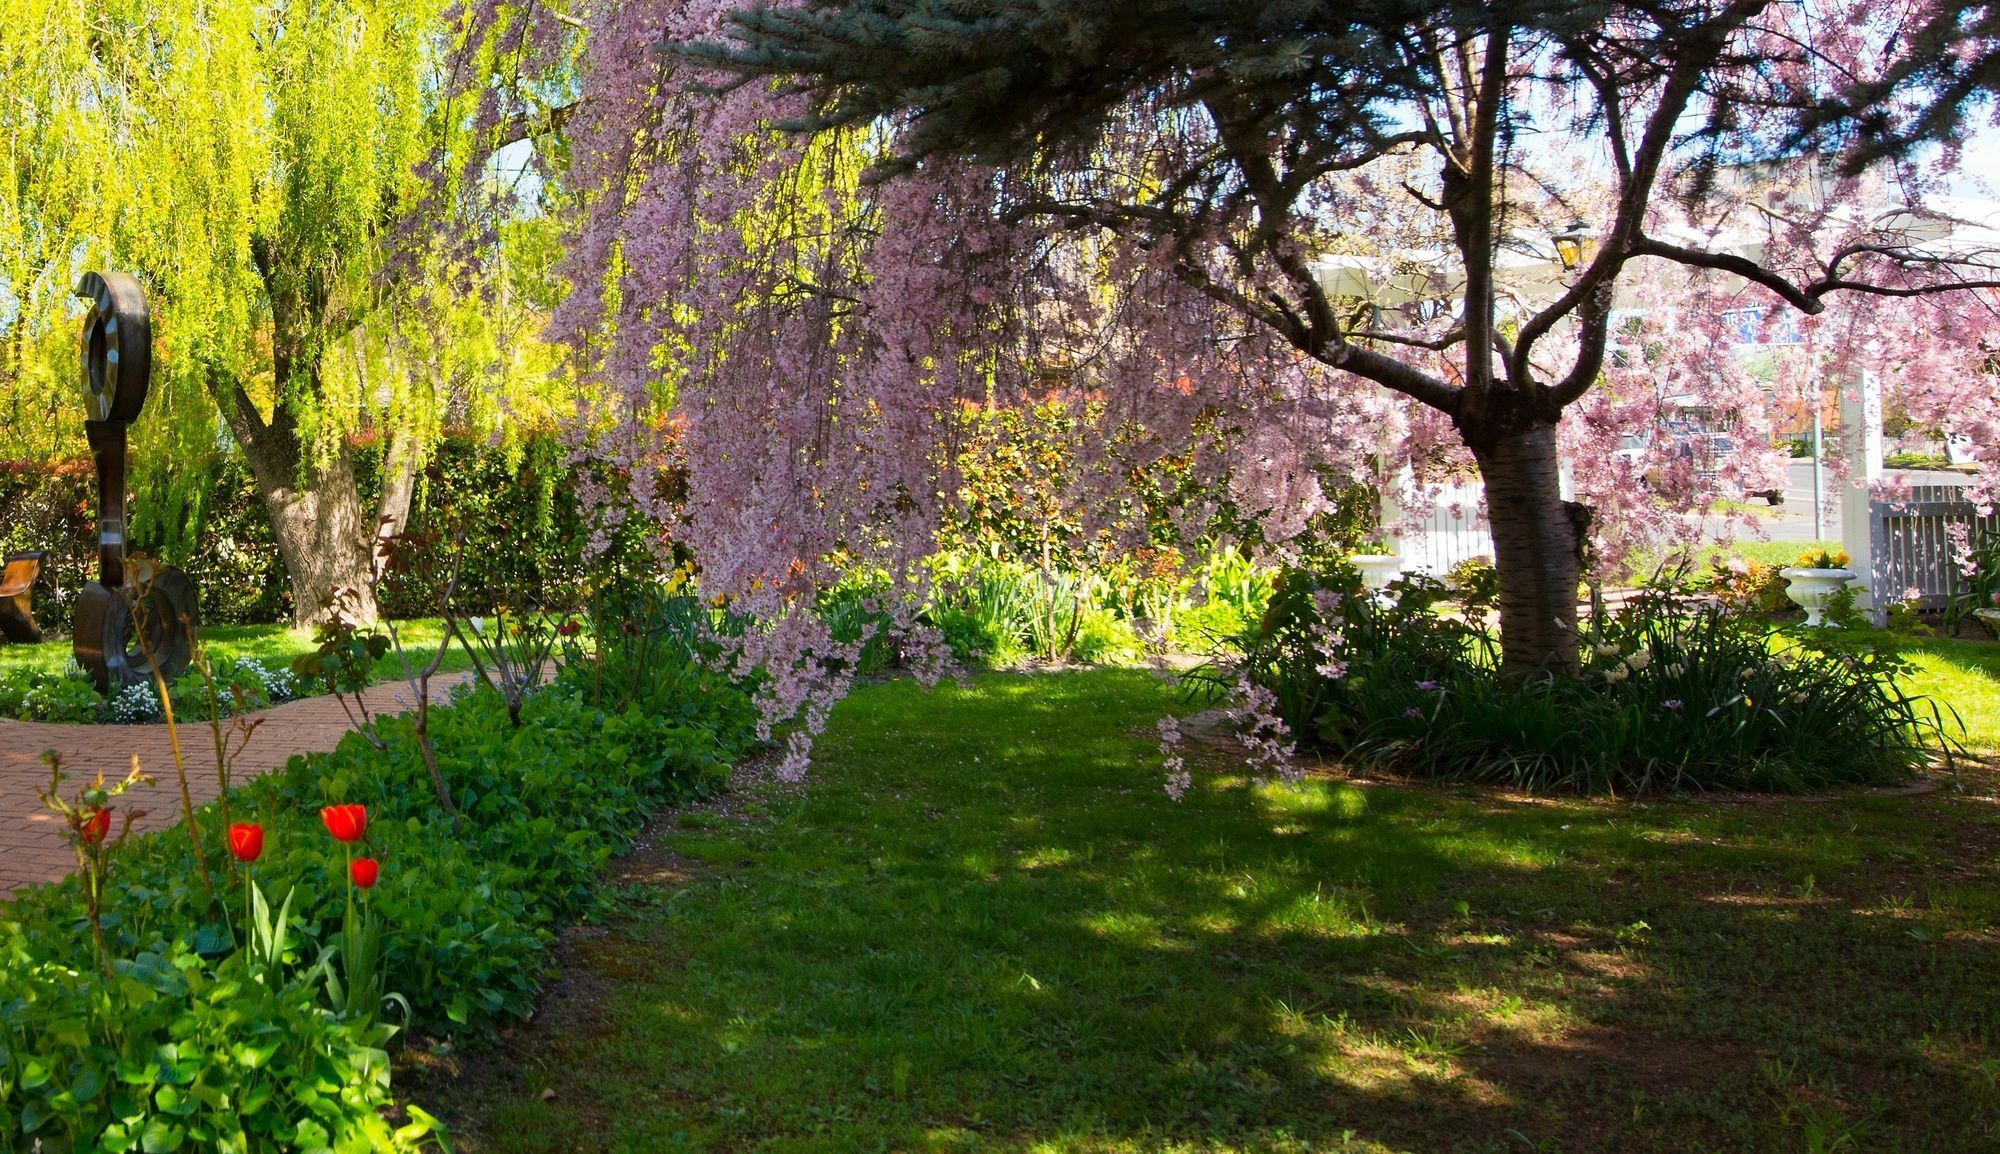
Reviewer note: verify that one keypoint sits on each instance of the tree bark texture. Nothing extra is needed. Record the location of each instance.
(1537, 549)
(322, 534)
(399, 482)
(323, 538)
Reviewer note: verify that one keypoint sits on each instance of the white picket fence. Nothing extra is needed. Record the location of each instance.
(1910, 551)
(1437, 527)
(1454, 528)
(1899, 545)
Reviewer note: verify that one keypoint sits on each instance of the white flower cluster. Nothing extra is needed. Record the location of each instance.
(1637, 661)
(136, 705)
(279, 684)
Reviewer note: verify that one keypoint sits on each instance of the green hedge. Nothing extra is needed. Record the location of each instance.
(187, 1050)
(525, 529)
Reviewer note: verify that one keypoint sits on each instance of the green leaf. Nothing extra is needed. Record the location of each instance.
(213, 939)
(161, 1136)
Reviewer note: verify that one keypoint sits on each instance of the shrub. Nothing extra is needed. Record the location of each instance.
(1103, 636)
(1474, 583)
(1232, 592)
(1676, 696)
(1749, 587)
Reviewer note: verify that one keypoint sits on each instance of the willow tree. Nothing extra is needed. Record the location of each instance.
(301, 188)
(59, 197)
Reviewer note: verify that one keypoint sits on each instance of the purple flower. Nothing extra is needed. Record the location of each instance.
(1671, 703)
(1413, 713)
(1427, 686)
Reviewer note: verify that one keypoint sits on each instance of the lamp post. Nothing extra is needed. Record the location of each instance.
(1570, 245)
(1819, 495)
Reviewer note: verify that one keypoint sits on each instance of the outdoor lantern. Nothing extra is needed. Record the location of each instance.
(1569, 245)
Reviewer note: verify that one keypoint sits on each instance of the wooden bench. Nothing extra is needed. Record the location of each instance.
(17, 588)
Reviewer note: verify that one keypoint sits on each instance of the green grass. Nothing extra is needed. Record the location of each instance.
(983, 927)
(1963, 674)
(1776, 554)
(273, 645)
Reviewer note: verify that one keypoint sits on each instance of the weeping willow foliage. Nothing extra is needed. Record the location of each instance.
(298, 185)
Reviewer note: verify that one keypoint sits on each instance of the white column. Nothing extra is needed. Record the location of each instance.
(1861, 440)
(1392, 514)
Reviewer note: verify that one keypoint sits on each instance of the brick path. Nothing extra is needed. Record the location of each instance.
(32, 848)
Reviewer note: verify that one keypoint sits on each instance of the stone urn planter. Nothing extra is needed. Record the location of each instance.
(1377, 569)
(1991, 617)
(1809, 588)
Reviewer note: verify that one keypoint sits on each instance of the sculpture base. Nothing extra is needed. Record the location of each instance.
(120, 637)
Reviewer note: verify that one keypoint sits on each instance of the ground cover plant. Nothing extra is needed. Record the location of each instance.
(188, 1014)
(983, 927)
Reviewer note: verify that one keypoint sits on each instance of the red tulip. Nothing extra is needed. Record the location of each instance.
(246, 840)
(569, 628)
(363, 871)
(345, 822)
(96, 826)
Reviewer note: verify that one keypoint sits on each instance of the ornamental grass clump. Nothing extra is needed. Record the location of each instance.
(1675, 695)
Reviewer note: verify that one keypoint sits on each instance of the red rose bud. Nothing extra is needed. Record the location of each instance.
(246, 840)
(363, 871)
(96, 826)
(345, 822)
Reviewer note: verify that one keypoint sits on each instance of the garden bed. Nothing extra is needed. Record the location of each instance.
(181, 1032)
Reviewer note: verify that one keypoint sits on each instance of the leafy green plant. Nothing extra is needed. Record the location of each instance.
(1057, 599)
(198, 1038)
(1103, 636)
(1677, 696)
(982, 608)
(36, 696)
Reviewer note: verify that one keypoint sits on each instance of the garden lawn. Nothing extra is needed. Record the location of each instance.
(271, 645)
(982, 926)
(1965, 674)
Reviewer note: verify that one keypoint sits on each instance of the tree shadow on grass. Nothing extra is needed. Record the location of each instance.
(983, 927)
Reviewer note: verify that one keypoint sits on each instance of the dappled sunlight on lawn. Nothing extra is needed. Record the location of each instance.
(1039, 951)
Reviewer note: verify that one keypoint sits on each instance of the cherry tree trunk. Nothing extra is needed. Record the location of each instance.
(1537, 549)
